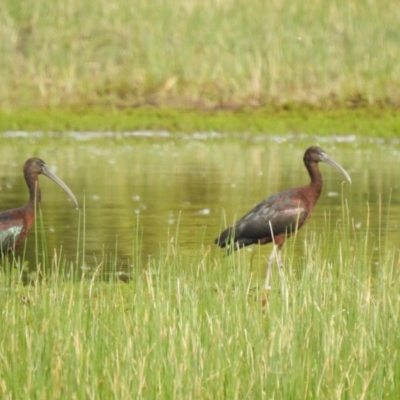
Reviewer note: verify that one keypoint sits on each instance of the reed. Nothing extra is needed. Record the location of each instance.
(196, 53)
(197, 325)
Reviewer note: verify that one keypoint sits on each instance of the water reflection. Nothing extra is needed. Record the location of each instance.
(158, 183)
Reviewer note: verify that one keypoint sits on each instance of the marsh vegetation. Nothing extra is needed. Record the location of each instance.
(129, 298)
(200, 54)
(185, 321)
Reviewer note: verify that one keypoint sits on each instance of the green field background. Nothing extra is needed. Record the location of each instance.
(199, 325)
(200, 54)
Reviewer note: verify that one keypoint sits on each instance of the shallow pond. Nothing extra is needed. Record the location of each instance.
(161, 187)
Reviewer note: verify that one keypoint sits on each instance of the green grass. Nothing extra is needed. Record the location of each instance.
(362, 122)
(200, 326)
(198, 54)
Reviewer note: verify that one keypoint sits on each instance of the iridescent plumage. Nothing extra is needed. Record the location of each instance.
(16, 223)
(280, 215)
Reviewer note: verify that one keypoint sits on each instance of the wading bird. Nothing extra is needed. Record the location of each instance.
(279, 216)
(16, 223)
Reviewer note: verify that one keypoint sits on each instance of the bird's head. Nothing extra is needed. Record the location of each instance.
(315, 154)
(35, 166)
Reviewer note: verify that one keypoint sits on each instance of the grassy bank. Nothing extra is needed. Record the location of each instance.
(198, 54)
(200, 326)
(373, 121)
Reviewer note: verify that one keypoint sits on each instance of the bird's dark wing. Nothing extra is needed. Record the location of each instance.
(284, 212)
(10, 230)
(8, 238)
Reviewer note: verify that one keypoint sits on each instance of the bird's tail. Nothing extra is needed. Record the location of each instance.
(225, 238)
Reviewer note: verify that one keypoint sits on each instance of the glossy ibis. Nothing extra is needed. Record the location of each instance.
(279, 216)
(16, 223)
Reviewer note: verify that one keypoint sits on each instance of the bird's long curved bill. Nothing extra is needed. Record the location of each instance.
(57, 180)
(329, 160)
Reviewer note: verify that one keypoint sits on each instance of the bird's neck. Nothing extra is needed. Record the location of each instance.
(34, 190)
(316, 177)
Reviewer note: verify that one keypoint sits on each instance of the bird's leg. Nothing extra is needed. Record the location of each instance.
(269, 268)
(280, 268)
(270, 260)
(276, 254)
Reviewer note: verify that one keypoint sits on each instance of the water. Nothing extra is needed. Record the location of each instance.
(189, 186)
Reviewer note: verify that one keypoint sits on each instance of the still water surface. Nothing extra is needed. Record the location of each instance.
(161, 183)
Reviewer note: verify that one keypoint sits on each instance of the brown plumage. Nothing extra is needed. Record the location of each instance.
(280, 215)
(16, 223)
